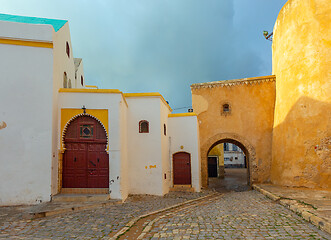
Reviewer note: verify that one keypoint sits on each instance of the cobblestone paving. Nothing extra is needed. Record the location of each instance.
(96, 223)
(244, 215)
(236, 215)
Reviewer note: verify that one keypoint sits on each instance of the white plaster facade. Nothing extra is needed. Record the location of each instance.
(233, 156)
(26, 141)
(184, 137)
(33, 60)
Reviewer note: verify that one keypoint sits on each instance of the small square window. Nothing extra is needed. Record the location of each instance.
(226, 108)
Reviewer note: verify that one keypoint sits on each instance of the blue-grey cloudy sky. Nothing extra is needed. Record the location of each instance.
(163, 45)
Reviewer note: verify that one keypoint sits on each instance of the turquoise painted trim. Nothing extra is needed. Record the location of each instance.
(57, 24)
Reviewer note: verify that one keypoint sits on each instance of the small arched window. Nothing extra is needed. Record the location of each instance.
(82, 80)
(226, 108)
(65, 80)
(69, 84)
(164, 130)
(143, 126)
(68, 49)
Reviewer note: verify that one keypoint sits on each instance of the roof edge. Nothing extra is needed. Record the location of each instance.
(233, 82)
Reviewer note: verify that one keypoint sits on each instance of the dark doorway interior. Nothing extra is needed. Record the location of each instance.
(212, 167)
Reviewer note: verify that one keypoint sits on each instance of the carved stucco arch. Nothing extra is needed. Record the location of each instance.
(77, 116)
(240, 141)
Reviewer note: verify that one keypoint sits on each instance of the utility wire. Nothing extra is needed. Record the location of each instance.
(182, 108)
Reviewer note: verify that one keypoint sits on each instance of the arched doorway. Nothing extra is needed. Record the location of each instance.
(231, 171)
(182, 168)
(85, 160)
(242, 143)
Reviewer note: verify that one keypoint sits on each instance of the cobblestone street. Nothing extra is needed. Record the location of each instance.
(235, 215)
(89, 224)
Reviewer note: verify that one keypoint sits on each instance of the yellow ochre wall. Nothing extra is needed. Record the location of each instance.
(248, 125)
(218, 150)
(301, 150)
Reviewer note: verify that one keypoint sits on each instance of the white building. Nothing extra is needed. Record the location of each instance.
(233, 156)
(58, 135)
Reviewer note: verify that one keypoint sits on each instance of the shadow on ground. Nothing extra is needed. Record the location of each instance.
(235, 179)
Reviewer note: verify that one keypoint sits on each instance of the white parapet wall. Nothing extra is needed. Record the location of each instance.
(184, 134)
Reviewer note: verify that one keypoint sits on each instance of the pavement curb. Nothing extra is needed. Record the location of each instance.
(41, 214)
(299, 208)
(133, 221)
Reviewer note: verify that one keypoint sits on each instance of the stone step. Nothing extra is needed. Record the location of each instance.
(182, 188)
(80, 197)
(85, 190)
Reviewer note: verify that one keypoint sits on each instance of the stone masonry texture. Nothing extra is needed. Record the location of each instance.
(235, 215)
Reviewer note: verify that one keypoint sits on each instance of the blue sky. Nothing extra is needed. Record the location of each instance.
(163, 45)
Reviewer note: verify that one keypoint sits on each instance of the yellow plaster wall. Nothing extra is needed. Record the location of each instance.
(218, 150)
(249, 123)
(301, 151)
(68, 113)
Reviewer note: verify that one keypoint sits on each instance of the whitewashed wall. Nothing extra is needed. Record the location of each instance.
(26, 31)
(124, 178)
(144, 149)
(165, 150)
(62, 63)
(79, 74)
(184, 131)
(112, 102)
(236, 158)
(26, 107)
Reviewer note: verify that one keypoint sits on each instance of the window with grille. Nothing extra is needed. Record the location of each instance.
(143, 126)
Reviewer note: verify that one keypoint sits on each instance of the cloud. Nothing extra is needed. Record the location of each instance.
(162, 45)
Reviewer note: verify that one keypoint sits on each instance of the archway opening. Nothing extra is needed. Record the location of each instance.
(228, 166)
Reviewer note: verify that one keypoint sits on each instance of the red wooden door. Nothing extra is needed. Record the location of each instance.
(85, 162)
(74, 166)
(182, 168)
(98, 166)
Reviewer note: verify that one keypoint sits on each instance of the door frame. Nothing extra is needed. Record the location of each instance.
(173, 170)
(62, 154)
(217, 164)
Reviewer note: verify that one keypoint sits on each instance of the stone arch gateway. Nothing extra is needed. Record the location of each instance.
(241, 142)
(248, 122)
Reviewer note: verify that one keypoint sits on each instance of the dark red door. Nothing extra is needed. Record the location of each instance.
(98, 166)
(182, 168)
(85, 162)
(74, 166)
